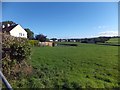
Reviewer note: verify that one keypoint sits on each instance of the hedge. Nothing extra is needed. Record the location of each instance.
(15, 52)
(34, 42)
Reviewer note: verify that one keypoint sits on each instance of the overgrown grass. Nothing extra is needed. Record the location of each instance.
(84, 66)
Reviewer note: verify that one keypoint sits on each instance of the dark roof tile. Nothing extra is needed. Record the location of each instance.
(8, 29)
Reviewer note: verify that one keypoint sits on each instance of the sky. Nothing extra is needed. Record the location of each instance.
(64, 19)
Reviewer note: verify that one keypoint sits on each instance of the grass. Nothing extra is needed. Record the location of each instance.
(84, 66)
(114, 41)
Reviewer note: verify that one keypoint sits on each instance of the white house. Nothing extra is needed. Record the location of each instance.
(15, 30)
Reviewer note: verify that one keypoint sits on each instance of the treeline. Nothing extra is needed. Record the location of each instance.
(87, 40)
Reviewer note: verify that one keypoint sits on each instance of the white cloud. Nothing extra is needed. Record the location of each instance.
(102, 27)
(109, 33)
(99, 26)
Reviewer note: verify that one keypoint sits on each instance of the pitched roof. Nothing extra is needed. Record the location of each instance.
(8, 29)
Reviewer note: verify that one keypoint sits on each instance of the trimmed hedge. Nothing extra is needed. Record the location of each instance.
(15, 52)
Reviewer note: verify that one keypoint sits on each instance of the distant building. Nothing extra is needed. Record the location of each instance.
(14, 30)
(51, 44)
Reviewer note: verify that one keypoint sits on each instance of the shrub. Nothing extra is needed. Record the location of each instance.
(15, 51)
(34, 42)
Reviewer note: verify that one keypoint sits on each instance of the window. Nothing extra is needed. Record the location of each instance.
(23, 34)
(20, 34)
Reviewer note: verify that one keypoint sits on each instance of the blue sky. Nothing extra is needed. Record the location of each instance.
(64, 19)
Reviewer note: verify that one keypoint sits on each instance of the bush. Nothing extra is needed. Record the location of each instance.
(15, 51)
(34, 42)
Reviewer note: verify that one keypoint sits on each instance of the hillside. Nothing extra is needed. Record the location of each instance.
(113, 41)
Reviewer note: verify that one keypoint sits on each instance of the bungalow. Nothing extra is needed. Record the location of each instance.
(14, 30)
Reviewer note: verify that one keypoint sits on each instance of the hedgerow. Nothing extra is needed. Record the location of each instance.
(15, 52)
(34, 42)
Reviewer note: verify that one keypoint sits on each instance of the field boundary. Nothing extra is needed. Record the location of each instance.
(110, 44)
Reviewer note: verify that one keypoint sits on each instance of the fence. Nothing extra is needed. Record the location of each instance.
(8, 86)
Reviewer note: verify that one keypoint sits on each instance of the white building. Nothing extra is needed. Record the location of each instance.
(15, 30)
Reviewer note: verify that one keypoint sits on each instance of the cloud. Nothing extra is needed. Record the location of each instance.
(109, 33)
(99, 27)
(102, 27)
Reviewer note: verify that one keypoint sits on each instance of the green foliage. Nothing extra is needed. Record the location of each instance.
(35, 83)
(30, 34)
(15, 51)
(53, 39)
(113, 41)
(73, 68)
(34, 42)
(47, 39)
(95, 40)
(41, 37)
(19, 52)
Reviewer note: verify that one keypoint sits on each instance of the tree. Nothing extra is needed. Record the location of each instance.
(54, 39)
(30, 34)
(41, 37)
(47, 39)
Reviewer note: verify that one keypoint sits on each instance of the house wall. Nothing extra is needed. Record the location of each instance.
(45, 43)
(18, 31)
(48, 43)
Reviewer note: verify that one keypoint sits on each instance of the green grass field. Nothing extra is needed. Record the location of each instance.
(114, 41)
(84, 66)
